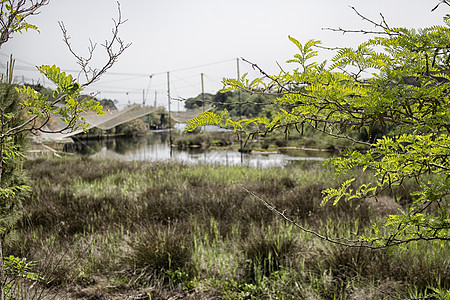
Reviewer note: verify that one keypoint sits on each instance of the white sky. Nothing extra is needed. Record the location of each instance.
(171, 35)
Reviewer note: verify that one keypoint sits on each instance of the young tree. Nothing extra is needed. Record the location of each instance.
(24, 110)
(399, 79)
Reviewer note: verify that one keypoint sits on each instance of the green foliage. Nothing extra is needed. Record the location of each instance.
(241, 104)
(439, 294)
(208, 118)
(16, 20)
(21, 267)
(399, 80)
(132, 128)
(25, 110)
(202, 100)
(21, 273)
(13, 184)
(67, 91)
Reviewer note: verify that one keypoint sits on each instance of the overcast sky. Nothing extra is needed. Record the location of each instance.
(190, 37)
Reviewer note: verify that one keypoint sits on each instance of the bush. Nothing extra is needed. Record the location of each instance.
(132, 128)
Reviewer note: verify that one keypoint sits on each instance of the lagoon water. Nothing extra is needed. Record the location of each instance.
(155, 147)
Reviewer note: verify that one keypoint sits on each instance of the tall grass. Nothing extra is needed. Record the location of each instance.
(109, 229)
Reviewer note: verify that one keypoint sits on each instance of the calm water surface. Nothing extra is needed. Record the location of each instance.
(155, 147)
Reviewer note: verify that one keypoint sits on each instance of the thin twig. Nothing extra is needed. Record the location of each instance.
(93, 74)
(391, 241)
(383, 25)
(354, 243)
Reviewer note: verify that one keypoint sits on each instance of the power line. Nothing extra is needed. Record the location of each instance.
(33, 68)
(181, 84)
(17, 59)
(199, 66)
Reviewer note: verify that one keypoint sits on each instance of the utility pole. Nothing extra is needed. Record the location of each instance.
(239, 99)
(168, 95)
(239, 91)
(143, 98)
(156, 92)
(203, 97)
(203, 94)
(168, 101)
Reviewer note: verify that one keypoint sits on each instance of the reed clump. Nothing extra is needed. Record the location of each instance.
(104, 229)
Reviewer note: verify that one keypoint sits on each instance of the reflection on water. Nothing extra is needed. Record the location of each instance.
(155, 147)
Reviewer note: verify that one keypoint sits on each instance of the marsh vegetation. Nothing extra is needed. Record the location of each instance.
(104, 229)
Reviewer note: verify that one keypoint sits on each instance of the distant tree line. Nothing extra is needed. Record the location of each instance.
(237, 104)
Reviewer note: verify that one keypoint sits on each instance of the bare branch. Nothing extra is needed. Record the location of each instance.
(339, 29)
(256, 67)
(384, 22)
(382, 25)
(80, 60)
(442, 2)
(113, 48)
(19, 128)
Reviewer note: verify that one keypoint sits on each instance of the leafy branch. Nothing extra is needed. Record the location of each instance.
(13, 14)
(404, 95)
